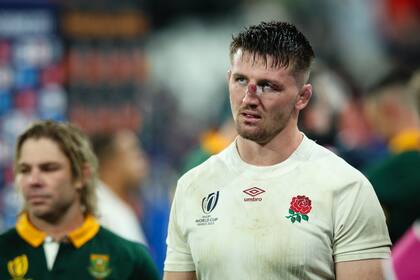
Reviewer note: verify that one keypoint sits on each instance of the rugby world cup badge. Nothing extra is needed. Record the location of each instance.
(18, 267)
(208, 204)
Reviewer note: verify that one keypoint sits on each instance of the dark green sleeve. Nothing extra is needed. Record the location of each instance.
(145, 268)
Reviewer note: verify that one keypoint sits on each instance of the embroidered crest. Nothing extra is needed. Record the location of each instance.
(99, 266)
(300, 206)
(18, 267)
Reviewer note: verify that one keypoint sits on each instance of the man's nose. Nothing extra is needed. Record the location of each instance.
(252, 88)
(250, 93)
(34, 177)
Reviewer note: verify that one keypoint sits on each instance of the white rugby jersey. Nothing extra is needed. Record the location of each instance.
(292, 220)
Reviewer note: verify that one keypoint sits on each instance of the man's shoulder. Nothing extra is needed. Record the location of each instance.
(119, 244)
(387, 172)
(8, 235)
(320, 153)
(215, 164)
(402, 161)
(9, 239)
(132, 256)
(326, 161)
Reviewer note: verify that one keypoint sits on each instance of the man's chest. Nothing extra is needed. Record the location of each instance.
(26, 262)
(258, 223)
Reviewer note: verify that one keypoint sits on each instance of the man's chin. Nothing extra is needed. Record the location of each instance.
(41, 212)
(252, 134)
(257, 137)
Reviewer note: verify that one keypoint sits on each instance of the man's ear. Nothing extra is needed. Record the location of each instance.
(86, 175)
(229, 73)
(304, 96)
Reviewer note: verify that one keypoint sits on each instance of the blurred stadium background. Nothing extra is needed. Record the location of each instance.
(159, 67)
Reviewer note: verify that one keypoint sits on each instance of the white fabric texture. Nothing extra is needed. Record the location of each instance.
(223, 227)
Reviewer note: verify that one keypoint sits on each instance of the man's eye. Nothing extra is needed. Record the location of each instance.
(267, 88)
(241, 80)
(49, 167)
(23, 170)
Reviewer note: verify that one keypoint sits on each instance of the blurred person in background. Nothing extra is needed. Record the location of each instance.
(399, 22)
(415, 88)
(212, 142)
(122, 168)
(57, 235)
(334, 118)
(406, 255)
(391, 110)
(318, 120)
(274, 204)
(406, 251)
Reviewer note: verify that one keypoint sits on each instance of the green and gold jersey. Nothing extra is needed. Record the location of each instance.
(91, 252)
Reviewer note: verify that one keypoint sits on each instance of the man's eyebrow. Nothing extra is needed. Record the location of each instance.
(49, 162)
(270, 81)
(22, 164)
(40, 163)
(266, 81)
(238, 74)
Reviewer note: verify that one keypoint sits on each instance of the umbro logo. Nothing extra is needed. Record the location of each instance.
(254, 191)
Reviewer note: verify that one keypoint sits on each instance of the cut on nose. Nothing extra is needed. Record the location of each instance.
(252, 88)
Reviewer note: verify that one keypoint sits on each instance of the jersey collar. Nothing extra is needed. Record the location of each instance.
(407, 140)
(77, 237)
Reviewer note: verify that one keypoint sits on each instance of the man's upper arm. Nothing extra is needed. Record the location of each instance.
(360, 231)
(370, 269)
(184, 275)
(178, 253)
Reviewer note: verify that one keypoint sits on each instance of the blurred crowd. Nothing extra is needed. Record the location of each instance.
(159, 98)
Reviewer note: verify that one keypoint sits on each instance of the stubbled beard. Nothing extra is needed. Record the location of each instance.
(258, 135)
(51, 215)
(265, 132)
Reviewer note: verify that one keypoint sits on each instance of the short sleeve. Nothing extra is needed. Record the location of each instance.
(360, 230)
(178, 254)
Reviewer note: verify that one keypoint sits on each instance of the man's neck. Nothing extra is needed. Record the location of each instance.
(277, 150)
(60, 227)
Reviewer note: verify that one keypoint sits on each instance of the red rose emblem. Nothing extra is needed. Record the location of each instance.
(301, 204)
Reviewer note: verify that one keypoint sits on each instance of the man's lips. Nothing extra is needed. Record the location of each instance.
(250, 116)
(37, 198)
